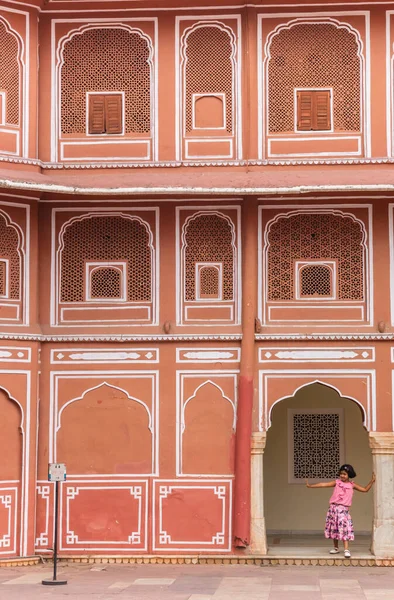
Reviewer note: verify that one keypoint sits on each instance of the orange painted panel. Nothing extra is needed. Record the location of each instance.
(102, 314)
(105, 150)
(193, 515)
(105, 432)
(9, 141)
(207, 313)
(9, 312)
(104, 516)
(208, 148)
(291, 314)
(312, 146)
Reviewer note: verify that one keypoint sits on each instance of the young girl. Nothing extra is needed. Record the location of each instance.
(339, 524)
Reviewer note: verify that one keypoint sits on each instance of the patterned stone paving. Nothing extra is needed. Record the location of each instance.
(199, 582)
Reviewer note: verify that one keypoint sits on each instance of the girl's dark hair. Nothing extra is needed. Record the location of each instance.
(349, 470)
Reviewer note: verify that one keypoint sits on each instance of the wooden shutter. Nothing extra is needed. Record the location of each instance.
(314, 110)
(321, 110)
(113, 113)
(304, 111)
(96, 113)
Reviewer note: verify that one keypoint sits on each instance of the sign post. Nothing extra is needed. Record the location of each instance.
(56, 473)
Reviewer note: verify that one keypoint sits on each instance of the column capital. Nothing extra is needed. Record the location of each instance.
(381, 442)
(258, 442)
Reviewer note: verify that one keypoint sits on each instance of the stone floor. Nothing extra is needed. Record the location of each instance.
(314, 546)
(198, 582)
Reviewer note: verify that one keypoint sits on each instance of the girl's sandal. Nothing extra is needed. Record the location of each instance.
(347, 554)
(334, 551)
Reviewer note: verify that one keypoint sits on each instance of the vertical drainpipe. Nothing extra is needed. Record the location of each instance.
(242, 485)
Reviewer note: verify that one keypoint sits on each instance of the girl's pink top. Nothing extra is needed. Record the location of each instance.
(343, 493)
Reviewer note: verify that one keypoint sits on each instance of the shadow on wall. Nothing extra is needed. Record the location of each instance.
(293, 448)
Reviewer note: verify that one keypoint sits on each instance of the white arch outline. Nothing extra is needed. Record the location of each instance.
(59, 59)
(264, 88)
(21, 252)
(185, 226)
(22, 70)
(198, 388)
(90, 215)
(96, 387)
(329, 385)
(235, 77)
(308, 210)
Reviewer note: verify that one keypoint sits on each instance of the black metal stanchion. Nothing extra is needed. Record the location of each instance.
(55, 581)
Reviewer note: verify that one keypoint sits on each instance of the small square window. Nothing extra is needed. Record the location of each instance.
(209, 281)
(313, 110)
(315, 280)
(105, 282)
(105, 114)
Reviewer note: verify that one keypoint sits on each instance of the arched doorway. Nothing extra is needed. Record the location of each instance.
(311, 434)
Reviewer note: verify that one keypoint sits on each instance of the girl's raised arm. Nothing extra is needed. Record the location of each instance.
(320, 485)
(359, 488)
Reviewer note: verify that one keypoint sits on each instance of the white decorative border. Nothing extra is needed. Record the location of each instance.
(10, 503)
(199, 355)
(201, 20)
(95, 356)
(24, 254)
(23, 354)
(342, 209)
(391, 243)
(138, 490)
(211, 377)
(316, 354)
(24, 79)
(290, 439)
(95, 22)
(317, 376)
(179, 266)
(80, 213)
(44, 490)
(25, 467)
(291, 19)
(105, 378)
(219, 489)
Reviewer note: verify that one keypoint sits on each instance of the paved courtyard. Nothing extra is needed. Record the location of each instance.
(199, 582)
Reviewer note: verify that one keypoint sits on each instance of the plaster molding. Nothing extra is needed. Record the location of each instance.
(258, 442)
(381, 442)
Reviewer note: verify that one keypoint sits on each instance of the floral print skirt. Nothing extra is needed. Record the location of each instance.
(339, 524)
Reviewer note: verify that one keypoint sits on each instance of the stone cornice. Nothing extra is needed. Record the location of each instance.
(26, 337)
(299, 337)
(381, 442)
(258, 442)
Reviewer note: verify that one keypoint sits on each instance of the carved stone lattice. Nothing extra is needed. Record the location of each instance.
(316, 236)
(3, 278)
(315, 55)
(9, 74)
(106, 282)
(315, 280)
(106, 239)
(209, 282)
(316, 445)
(9, 250)
(209, 239)
(104, 60)
(209, 72)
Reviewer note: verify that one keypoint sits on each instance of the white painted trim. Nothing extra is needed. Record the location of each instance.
(94, 356)
(7, 277)
(316, 354)
(287, 209)
(318, 376)
(314, 17)
(198, 355)
(57, 61)
(3, 108)
(104, 378)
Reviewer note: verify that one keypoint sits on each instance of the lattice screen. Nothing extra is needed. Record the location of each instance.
(105, 282)
(3, 278)
(104, 60)
(9, 249)
(316, 236)
(209, 282)
(208, 72)
(9, 74)
(209, 239)
(106, 239)
(314, 55)
(316, 280)
(316, 439)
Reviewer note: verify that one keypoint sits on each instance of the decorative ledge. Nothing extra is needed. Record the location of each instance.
(299, 337)
(120, 338)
